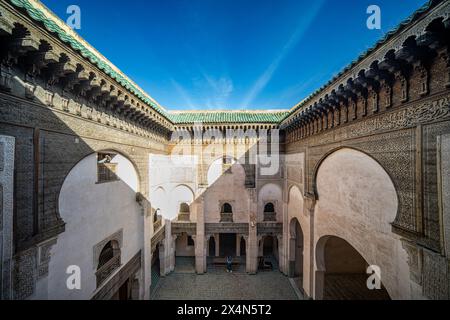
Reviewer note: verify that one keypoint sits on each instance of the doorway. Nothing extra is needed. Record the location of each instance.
(227, 244)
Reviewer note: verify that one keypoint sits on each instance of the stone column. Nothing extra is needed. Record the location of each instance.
(200, 257)
(167, 252)
(260, 242)
(7, 146)
(146, 259)
(173, 253)
(238, 245)
(252, 243)
(280, 250)
(217, 240)
(162, 258)
(285, 239)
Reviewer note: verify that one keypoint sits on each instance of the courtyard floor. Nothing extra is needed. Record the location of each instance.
(225, 286)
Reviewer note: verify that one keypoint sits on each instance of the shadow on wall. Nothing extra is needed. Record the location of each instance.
(74, 196)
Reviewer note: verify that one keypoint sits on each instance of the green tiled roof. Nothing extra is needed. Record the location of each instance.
(228, 117)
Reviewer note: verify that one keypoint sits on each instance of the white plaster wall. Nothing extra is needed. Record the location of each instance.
(172, 181)
(358, 202)
(159, 201)
(214, 171)
(181, 247)
(229, 187)
(270, 192)
(93, 212)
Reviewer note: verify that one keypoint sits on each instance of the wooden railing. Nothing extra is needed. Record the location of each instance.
(106, 172)
(184, 216)
(107, 269)
(270, 216)
(157, 224)
(226, 217)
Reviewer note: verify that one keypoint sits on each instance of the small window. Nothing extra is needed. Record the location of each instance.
(106, 255)
(269, 207)
(108, 261)
(106, 168)
(226, 208)
(190, 241)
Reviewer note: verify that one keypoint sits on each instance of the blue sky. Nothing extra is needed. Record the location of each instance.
(232, 54)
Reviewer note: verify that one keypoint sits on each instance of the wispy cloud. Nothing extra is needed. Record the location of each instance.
(183, 93)
(298, 33)
(222, 89)
(215, 91)
(294, 94)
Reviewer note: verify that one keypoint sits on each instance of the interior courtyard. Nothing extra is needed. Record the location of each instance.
(107, 195)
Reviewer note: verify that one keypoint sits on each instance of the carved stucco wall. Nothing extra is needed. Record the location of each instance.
(445, 189)
(7, 149)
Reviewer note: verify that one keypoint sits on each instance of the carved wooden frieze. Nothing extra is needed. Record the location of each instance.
(211, 228)
(189, 228)
(269, 228)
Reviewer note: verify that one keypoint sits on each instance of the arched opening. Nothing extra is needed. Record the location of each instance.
(269, 212)
(268, 246)
(155, 270)
(227, 208)
(185, 253)
(269, 207)
(227, 244)
(179, 202)
(268, 253)
(296, 250)
(226, 213)
(342, 273)
(108, 261)
(358, 202)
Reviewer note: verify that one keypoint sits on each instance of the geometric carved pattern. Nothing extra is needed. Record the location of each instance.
(44, 257)
(383, 139)
(270, 228)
